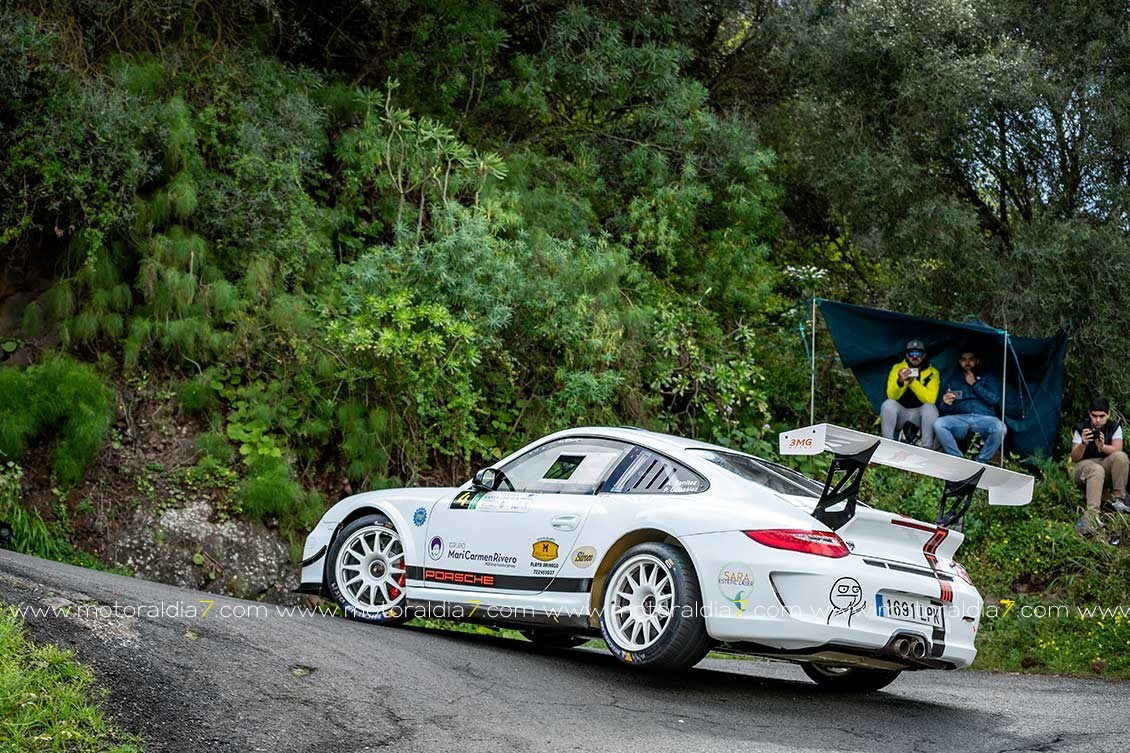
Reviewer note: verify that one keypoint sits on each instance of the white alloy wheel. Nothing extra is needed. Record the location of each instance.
(369, 569)
(640, 602)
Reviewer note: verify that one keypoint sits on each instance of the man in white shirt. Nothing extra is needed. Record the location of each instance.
(1096, 450)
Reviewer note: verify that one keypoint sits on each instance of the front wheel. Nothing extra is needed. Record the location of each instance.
(850, 679)
(651, 611)
(366, 573)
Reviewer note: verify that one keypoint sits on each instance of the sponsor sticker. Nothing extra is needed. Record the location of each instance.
(584, 557)
(489, 559)
(545, 550)
(491, 501)
(435, 548)
(420, 517)
(735, 582)
(459, 578)
(466, 500)
(503, 502)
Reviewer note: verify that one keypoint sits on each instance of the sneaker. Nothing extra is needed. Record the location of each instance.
(1084, 526)
(1120, 505)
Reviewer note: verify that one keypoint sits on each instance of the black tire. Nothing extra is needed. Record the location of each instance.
(850, 679)
(379, 570)
(681, 641)
(553, 638)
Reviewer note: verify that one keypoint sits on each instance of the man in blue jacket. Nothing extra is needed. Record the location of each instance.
(970, 403)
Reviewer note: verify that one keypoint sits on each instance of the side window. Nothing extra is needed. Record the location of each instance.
(576, 465)
(652, 473)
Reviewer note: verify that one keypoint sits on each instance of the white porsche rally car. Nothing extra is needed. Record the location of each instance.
(667, 547)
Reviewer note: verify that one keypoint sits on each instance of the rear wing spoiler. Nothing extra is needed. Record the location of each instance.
(855, 450)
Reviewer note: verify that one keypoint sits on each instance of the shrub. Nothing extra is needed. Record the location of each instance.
(269, 491)
(214, 445)
(196, 395)
(59, 399)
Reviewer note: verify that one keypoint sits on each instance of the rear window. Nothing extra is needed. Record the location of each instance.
(777, 477)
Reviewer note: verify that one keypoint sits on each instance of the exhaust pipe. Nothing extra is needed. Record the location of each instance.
(909, 647)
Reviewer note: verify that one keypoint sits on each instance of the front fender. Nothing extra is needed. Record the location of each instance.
(398, 505)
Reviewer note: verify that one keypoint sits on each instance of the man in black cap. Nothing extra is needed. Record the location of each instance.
(912, 394)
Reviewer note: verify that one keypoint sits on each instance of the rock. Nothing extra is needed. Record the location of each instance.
(239, 558)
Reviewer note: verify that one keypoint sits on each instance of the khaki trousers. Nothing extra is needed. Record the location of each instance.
(1096, 473)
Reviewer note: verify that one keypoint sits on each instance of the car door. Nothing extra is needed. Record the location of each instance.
(516, 541)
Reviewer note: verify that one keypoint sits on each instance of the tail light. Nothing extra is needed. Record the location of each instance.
(822, 543)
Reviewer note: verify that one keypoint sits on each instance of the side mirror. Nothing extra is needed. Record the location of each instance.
(485, 480)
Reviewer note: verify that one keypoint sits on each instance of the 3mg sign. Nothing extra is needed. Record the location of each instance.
(806, 441)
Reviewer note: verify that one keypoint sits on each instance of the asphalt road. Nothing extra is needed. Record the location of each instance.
(273, 682)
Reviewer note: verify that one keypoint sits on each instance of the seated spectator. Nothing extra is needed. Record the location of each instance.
(1096, 450)
(912, 390)
(970, 404)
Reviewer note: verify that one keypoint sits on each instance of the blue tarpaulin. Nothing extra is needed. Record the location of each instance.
(869, 341)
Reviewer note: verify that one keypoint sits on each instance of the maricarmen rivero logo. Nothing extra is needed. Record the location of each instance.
(735, 582)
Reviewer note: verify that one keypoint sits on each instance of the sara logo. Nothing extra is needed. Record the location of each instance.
(545, 550)
(584, 557)
(435, 548)
(735, 581)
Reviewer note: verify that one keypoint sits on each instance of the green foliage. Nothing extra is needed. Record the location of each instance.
(215, 446)
(269, 491)
(58, 399)
(368, 440)
(50, 701)
(196, 395)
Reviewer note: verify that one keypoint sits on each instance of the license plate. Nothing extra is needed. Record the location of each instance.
(910, 609)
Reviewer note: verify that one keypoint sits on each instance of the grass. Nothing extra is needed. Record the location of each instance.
(48, 701)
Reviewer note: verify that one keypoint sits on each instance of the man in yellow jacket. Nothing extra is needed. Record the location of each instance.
(912, 394)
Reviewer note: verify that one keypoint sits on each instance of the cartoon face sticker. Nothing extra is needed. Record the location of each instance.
(846, 597)
(846, 594)
(435, 548)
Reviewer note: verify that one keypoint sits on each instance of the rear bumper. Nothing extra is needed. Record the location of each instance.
(787, 604)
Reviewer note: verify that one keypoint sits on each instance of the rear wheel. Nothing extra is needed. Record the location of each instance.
(850, 679)
(651, 615)
(366, 573)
